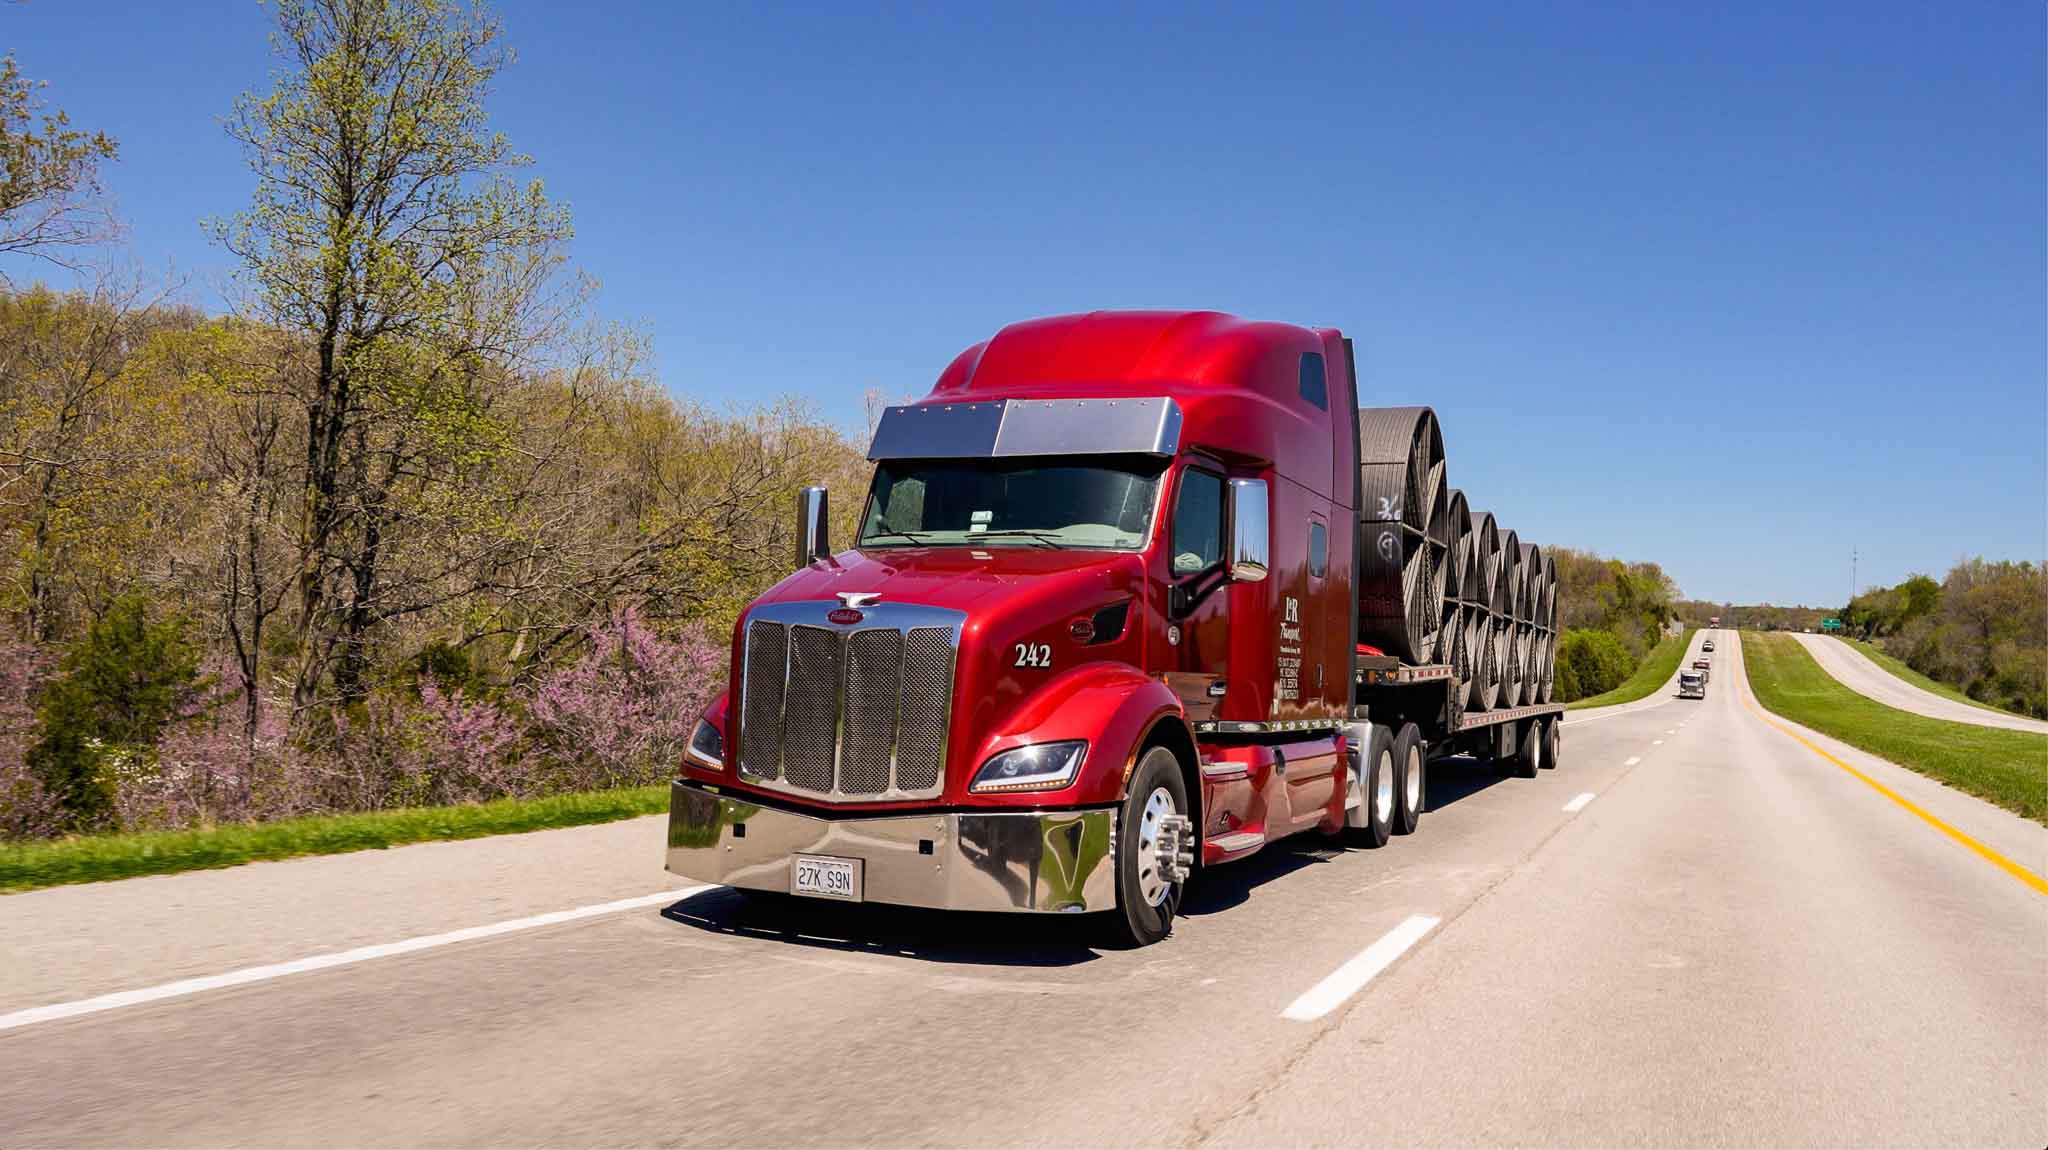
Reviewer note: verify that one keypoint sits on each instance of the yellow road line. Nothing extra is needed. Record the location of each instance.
(2003, 863)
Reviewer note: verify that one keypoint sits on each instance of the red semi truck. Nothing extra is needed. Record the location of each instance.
(1099, 629)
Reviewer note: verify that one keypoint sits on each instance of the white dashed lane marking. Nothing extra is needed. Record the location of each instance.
(1349, 979)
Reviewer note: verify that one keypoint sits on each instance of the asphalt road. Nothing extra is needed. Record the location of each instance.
(1734, 940)
(1855, 671)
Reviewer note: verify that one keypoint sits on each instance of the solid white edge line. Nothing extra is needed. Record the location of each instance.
(1633, 760)
(249, 974)
(1578, 804)
(1349, 979)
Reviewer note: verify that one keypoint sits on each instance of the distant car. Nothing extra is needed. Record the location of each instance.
(1707, 646)
(1692, 685)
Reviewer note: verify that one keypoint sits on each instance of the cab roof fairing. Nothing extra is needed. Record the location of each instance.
(1213, 366)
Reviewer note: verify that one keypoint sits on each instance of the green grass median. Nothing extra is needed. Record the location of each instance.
(93, 858)
(1656, 670)
(2009, 768)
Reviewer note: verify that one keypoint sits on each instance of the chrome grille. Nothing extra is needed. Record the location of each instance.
(927, 691)
(874, 660)
(761, 710)
(810, 708)
(856, 712)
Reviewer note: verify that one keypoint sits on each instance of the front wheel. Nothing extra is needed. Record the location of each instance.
(1154, 848)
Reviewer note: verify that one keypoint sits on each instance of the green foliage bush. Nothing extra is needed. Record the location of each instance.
(125, 680)
(1591, 662)
(1631, 601)
(1982, 630)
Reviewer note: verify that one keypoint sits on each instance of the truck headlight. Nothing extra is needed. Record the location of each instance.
(707, 744)
(1038, 767)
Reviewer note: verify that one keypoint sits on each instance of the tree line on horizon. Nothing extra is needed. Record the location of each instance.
(404, 526)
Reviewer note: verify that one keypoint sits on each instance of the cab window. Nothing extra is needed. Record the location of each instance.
(1318, 549)
(1198, 522)
(1315, 386)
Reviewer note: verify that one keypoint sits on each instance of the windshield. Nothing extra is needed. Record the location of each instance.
(1105, 505)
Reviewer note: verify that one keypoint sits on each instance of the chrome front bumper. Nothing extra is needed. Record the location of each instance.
(1041, 861)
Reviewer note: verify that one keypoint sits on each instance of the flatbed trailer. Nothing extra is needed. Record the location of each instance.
(1386, 690)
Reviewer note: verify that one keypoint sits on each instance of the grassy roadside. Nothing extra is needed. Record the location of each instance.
(1657, 668)
(1935, 686)
(92, 858)
(2009, 768)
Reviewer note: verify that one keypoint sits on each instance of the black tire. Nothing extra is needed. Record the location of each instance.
(1530, 757)
(1409, 760)
(1141, 920)
(1371, 821)
(1553, 742)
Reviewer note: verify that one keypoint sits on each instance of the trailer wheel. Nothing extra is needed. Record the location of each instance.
(1372, 780)
(1531, 756)
(1153, 837)
(1408, 779)
(1553, 739)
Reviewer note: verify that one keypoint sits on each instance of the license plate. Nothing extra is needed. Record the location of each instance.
(823, 877)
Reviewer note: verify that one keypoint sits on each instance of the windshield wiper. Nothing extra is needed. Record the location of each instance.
(1051, 541)
(913, 536)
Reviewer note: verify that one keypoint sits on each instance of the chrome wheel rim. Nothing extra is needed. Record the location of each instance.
(1414, 780)
(1152, 884)
(1383, 789)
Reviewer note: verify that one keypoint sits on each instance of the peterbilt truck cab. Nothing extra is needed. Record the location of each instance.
(1094, 630)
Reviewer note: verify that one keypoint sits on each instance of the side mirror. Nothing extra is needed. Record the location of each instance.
(1249, 534)
(811, 515)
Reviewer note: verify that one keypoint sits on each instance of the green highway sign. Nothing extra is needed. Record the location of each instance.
(1830, 624)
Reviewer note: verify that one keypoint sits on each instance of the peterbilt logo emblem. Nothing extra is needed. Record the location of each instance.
(844, 616)
(859, 599)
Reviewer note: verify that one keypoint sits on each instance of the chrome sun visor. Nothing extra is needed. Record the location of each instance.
(1011, 427)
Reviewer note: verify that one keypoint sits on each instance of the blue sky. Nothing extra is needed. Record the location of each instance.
(1735, 292)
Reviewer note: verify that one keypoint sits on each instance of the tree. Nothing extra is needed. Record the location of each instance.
(386, 232)
(49, 175)
(83, 463)
(128, 678)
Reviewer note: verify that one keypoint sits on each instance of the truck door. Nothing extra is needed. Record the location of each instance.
(1302, 636)
(1195, 668)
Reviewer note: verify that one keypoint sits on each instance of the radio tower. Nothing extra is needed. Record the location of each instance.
(1852, 574)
